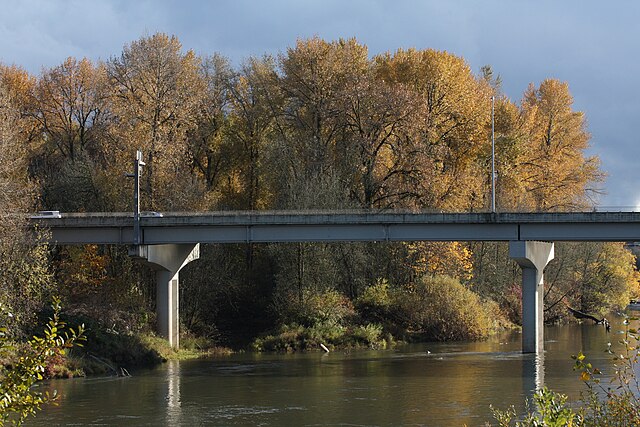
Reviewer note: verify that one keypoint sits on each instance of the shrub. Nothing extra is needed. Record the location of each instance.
(615, 404)
(621, 403)
(551, 410)
(375, 302)
(369, 334)
(328, 306)
(441, 308)
(288, 339)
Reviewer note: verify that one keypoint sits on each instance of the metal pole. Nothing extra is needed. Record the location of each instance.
(493, 157)
(137, 171)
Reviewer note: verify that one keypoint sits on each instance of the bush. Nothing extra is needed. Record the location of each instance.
(617, 403)
(441, 308)
(108, 349)
(375, 302)
(370, 334)
(295, 337)
(325, 307)
(551, 411)
(433, 308)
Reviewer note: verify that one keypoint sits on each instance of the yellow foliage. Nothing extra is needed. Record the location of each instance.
(83, 269)
(452, 259)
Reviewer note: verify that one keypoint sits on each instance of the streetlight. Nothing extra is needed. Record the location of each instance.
(137, 166)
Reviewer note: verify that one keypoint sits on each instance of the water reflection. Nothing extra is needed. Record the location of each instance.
(174, 408)
(532, 374)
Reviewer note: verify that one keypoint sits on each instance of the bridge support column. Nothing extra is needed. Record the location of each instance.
(167, 261)
(532, 257)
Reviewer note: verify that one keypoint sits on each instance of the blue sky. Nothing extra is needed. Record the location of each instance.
(593, 46)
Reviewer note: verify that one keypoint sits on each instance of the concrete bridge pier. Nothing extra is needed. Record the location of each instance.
(532, 257)
(167, 261)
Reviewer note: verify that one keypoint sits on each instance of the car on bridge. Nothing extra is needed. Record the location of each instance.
(151, 214)
(47, 215)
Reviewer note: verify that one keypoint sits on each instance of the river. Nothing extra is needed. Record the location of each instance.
(432, 384)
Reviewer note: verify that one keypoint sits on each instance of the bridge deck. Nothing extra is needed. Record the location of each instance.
(334, 226)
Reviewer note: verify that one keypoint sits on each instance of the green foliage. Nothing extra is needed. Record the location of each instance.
(320, 318)
(369, 334)
(25, 280)
(551, 410)
(295, 337)
(114, 347)
(375, 300)
(18, 398)
(325, 307)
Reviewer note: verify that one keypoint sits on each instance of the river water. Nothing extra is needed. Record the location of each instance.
(433, 384)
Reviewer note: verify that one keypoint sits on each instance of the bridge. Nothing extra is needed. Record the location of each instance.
(167, 242)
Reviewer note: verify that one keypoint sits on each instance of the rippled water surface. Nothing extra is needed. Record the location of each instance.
(439, 384)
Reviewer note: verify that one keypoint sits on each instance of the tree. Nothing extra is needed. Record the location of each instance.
(24, 275)
(207, 138)
(314, 74)
(452, 133)
(70, 106)
(380, 121)
(557, 175)
(251, 123)
(591, 277)
(156, 90)
(19, 86)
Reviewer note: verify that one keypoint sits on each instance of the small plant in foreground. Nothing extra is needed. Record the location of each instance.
(551, 410)
(18, 398)
(616, 403)
(611, 403)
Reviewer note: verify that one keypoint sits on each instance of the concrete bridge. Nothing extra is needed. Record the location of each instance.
(168, 242)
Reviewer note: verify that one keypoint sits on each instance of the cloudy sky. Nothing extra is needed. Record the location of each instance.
(593, 45)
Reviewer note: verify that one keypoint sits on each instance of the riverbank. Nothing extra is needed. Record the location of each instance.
(434, 308)
(120, 355)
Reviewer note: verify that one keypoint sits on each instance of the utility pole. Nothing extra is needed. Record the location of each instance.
(137, 167)
(493, 157)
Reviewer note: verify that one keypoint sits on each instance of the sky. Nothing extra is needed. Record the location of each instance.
(592, 45)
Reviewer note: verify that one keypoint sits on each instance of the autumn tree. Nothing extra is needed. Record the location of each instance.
(155, 91)
(557, 174)
(251, 126)
(19, 86)
(592, 277)
(313, 76)
(70, 106)
(24, 276)
(380, 129)
(207, 139)
(455, 111)
(67, 106)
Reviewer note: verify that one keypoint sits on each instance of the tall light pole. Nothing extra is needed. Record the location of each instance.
(493, 157)
(137, 167)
